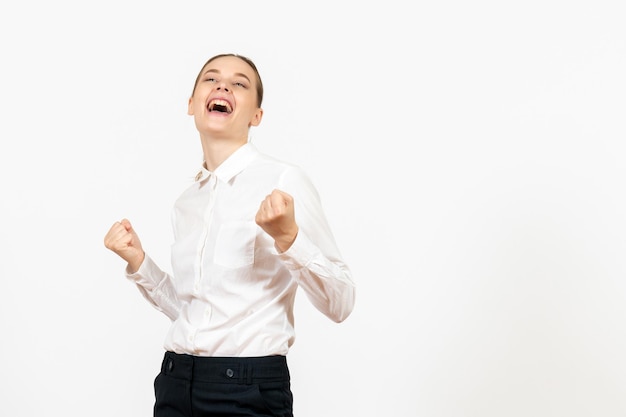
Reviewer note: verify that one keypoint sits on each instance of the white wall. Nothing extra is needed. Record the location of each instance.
(470, 156)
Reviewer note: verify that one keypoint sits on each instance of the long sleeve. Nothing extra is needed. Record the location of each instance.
(327, 282)
(157, 287)
(314, 259)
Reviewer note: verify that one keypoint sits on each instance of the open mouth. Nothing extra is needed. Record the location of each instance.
(220, 106)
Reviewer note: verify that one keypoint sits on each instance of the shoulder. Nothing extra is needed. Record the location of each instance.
(278, 166)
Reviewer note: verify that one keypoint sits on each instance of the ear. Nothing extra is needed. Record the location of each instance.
(256, 119)
(190, 107)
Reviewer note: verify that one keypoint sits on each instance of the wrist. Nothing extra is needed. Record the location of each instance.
(283, 243)
(135, 263)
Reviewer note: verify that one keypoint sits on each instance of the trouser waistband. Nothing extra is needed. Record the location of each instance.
(235, 370)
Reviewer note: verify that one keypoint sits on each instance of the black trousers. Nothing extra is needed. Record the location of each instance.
(219, 386)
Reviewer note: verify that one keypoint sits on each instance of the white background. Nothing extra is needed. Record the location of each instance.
(469, 155)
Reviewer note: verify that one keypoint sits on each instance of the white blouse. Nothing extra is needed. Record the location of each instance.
(231, 293)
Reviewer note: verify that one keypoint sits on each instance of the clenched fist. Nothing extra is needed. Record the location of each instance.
(123, 240)
(276, 216)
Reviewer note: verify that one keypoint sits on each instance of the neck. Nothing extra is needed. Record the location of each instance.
(217, 151)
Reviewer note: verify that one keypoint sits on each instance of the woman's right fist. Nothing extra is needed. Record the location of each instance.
(122, 239)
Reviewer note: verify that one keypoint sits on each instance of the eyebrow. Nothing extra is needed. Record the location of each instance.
(237, 74)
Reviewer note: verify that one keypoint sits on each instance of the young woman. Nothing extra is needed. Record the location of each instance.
(248, 232)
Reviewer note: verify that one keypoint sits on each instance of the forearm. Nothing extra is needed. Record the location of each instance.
(327, 281)
(333, 296)
(156, 286)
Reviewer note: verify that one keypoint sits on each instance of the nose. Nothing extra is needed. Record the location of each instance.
(222, 86)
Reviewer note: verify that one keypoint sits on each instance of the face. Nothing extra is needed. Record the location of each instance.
(224, 103)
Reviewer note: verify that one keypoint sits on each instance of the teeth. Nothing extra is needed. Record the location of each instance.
(221, 103)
